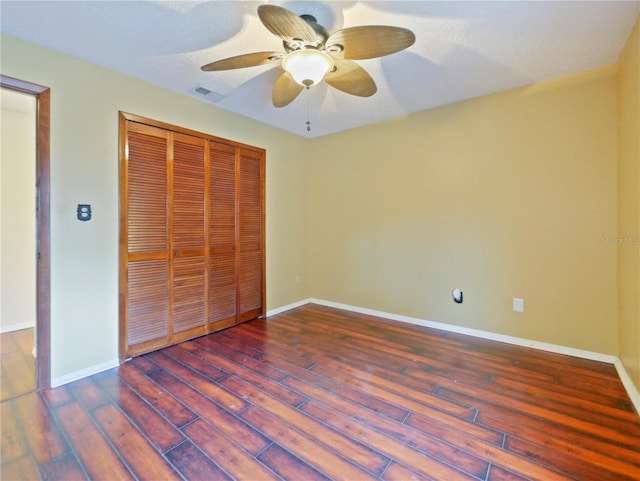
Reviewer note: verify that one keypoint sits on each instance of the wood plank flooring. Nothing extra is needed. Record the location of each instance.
(17, 364)
(317, 393)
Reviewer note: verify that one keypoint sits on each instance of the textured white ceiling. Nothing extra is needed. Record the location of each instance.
(462, 49)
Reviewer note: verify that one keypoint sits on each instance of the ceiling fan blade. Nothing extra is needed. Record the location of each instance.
(285, 24)
(351, 78)
(242, 61)
(285, 90)
(369, 41)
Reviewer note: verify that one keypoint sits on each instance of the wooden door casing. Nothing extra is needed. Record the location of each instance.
(42, 95)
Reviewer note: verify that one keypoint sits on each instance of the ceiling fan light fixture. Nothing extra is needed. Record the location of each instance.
(308, 66)
(313, 55)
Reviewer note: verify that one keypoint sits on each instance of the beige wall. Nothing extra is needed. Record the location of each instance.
(628, 244)
(508, 195)
(17, 211)
(85, 100)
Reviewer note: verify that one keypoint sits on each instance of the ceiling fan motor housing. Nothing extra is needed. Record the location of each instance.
(321, 36)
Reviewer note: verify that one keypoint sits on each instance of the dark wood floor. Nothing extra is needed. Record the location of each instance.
(17, 364)
(317, 393)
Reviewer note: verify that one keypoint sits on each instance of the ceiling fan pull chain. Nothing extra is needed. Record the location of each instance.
(308, 115)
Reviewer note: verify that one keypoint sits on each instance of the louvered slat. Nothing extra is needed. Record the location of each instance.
(147, 300)
(147, 193)
(250, 200)
(188, 193)
(222, 287)
(188, 293)
(250, 281)
(222, 220)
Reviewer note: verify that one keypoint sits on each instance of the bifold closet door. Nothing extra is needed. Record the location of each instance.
(165, 285)
(188, 237)
(236, 234)
(145, 260)
(223, 295)
(191, 234)
(250, 234)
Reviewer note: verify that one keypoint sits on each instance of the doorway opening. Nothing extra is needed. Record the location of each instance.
(41, 252)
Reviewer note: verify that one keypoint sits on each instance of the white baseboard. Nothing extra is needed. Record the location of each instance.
(634, 395)
(628, 384)
(89, 371)
(518, 341)
(17, 327)
(288, 307)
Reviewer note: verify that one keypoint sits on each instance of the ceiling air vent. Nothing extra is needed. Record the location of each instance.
(209, 94)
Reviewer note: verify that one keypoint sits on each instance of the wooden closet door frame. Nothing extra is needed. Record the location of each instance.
(124, 118)
(43, 221)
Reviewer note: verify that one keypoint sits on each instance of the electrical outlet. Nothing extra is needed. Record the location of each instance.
(457, 296)
(297, 279)
(518, 304)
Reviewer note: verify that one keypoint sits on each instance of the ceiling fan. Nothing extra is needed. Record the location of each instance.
(311, 54)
